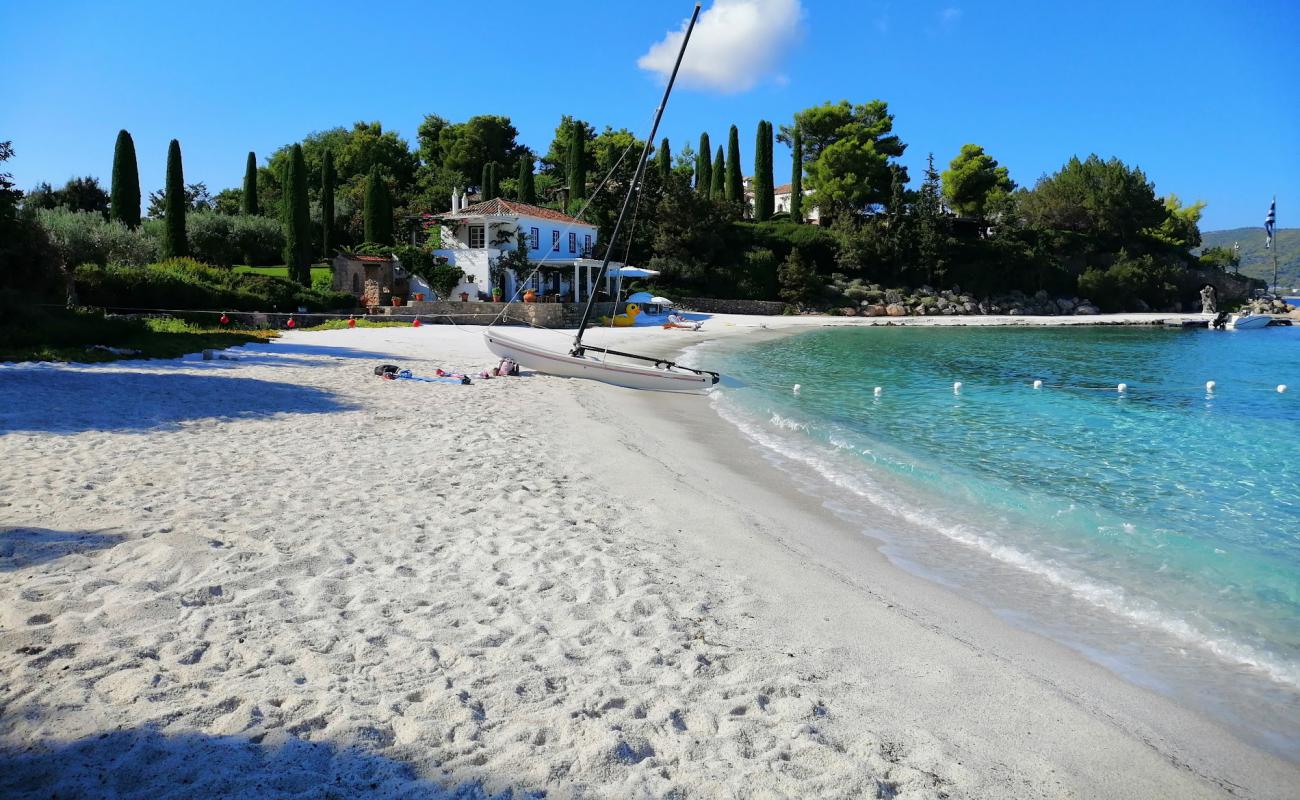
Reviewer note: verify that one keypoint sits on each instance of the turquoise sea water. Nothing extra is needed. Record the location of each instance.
(1157, 530)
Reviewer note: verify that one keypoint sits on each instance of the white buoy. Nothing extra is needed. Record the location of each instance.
(796, 388)
(956, 387)
(1122, 388)
(1209, 386)
(1038, 384)
(879, 391)
(1281, 387)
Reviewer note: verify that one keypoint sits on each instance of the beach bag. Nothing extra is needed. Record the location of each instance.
(387, 370)
(507, 367)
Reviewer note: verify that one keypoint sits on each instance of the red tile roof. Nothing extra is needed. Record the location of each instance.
(497, 207)
(782, 189)
(370, 259)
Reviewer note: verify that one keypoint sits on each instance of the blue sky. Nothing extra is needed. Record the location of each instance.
(1202, 95)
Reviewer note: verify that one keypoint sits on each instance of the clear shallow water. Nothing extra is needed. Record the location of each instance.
(1158, 531)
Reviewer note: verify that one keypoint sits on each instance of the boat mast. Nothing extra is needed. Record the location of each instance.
(636, 179)
(1275, 249)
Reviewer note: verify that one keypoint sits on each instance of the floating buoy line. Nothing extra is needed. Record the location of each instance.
(1209, 387)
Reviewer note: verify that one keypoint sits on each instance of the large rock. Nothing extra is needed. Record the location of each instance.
(848, 311)
(1087, 309)
(1016, 312)
(876, 310)
(1066, 306)
(895, 310)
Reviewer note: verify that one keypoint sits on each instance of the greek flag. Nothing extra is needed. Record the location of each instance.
(1269, 222)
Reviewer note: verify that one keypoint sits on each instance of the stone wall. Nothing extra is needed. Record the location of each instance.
(710, 305)
(542, 315)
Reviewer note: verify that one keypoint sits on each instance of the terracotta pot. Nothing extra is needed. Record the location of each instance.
(530, 296)
(419, 297)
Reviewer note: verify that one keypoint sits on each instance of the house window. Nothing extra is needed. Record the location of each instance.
(535, 237)
(573, 242)
(586, 245)
(476, 236)
(555, 241)
(356, 284)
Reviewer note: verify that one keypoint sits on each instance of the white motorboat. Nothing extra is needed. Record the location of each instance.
(1249, 322)
(601, 364)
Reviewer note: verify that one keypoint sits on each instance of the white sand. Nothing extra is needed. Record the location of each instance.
(284, 577)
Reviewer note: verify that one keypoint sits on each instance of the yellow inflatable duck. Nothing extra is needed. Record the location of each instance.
(623, 320)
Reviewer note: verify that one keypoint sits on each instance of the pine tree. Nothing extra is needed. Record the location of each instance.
(931, 226)
(175, 204)
(704, 168)
(718, 176)
(735, 180)
(527, 185)
(763, 181)
(664, 159)
(248, 203)
(124, 197)
(378, 213)
(328, 176)
(796, 177)
(295, 218)
(577, 165)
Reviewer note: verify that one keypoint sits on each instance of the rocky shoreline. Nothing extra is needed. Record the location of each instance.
(875, 301)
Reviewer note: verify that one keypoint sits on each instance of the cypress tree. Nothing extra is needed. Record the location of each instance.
(718, 176)
(664, 158)
(527, 185)
(378, 213)
(248, 204)
(735, 180)
(124, 197)
(763, 180)
(703, 167)
(327, 179)
(577, 164)
(174, 205)
(485, 182)
(796, 177)
(295, 218)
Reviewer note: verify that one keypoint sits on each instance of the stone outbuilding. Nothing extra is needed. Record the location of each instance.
(371, 279)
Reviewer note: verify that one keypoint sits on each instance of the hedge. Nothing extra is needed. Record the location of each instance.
(184, 283)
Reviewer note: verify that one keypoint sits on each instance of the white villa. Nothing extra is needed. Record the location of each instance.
(475, 236)
(781, 201)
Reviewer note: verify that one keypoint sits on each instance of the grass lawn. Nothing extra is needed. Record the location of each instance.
(72, 335)
(282, 271)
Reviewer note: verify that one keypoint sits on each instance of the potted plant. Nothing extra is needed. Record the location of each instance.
(496, 294)
(530, 296)
(419, 297)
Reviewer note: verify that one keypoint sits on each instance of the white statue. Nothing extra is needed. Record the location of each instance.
(1209, 304)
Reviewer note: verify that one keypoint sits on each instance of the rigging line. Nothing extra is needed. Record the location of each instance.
(636, 176)
(579, 216)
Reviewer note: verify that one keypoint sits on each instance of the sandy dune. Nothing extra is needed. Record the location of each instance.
(281, 576)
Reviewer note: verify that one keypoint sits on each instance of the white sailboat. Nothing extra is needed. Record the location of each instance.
(600, 363)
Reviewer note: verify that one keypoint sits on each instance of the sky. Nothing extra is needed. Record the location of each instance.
(1201, 94)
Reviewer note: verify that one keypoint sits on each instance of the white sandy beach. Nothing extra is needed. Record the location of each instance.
(283, 577)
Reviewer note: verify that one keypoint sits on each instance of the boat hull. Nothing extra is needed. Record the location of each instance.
(1248, 322)
(632, 376)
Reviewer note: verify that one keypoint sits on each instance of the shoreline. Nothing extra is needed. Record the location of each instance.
(528, 583)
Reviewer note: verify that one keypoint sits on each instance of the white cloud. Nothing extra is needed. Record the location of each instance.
(949, 16)
(735, 44)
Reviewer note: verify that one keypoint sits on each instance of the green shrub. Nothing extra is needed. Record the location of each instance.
(81, 237)
(184, 283)
(259, 240)
(816, 244)
(322, 281)
(211, 238)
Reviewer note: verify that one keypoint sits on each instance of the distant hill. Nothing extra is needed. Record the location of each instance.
(1255, 260)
